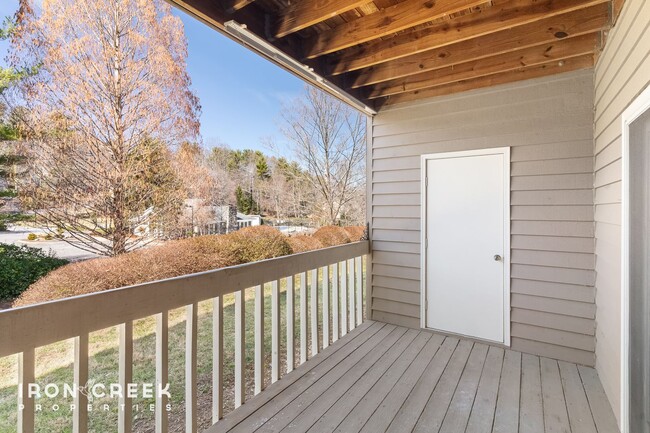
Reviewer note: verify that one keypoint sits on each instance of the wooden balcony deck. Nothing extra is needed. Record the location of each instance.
(384, 378)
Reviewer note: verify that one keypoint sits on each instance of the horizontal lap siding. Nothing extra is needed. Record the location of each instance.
(549, 125)
(621, 74)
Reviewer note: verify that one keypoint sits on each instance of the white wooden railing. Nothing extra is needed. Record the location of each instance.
(22, 330)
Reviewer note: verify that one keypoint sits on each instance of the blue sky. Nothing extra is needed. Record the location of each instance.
(241, 93)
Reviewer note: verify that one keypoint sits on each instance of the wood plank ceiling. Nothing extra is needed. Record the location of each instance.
(390, 51)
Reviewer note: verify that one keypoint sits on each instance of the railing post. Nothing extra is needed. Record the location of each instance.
(336, 318)
(26, 369)
(80, 413)
(240, 347)
(314, 312)
(359, 290)
(191, 325)
(275, 331)
(259, 338)
(303, 317)
(353, 296)
(125, 410)
(217, 359)
(344, 297)
(162, 370)
(291, 314)
(326, 306)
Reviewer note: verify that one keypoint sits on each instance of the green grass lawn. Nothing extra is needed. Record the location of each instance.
(54, 365)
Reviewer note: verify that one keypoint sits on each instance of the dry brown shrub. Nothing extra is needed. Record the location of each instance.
(303, 243)
(252, 244)
(332, 235)
(172, 259)
(169, 260)
(355, 233)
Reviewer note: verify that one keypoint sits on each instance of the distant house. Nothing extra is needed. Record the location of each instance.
(248, 220)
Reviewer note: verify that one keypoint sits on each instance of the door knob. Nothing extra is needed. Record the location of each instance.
(497, 258)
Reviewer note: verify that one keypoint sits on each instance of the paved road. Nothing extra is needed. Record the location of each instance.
(18, 236)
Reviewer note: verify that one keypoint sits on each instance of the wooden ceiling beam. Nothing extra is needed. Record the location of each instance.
(545, 31)
(539, 55)
(573, 64)
(306, 13)
(490, 20)
(232, 6)
(401, 16)
(213, 13)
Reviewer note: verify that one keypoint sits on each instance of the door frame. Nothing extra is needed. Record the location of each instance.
(638, 107)
(505, 151)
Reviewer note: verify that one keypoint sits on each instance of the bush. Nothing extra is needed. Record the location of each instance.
(330, 236)
(355, 233)
(174, 258)
(303, 243)
(32, 237)
(252, 244)
(10, 218)
(20, 266)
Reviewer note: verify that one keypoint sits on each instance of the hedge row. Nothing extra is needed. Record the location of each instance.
(175, 258)
(20, 266)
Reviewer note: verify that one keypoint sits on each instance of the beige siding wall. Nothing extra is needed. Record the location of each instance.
(622, 72)
(549, 124)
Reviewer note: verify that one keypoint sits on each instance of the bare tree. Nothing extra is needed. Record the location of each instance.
(329, 137)
(111, 94)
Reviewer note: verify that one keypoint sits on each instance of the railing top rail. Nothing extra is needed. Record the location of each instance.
(41, 324)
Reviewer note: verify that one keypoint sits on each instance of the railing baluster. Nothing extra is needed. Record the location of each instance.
(259, 338)
(344, 297)
(217, 359)
(162, 370)
(353, 297)
(303, 317)
(336, 318)
(80, 413)
(191, 334)
(275, 331)
(326, 306)
(314, 312)
(239, 347)
(291, 314)
(26, 368)
(125, 410)
(359, 289)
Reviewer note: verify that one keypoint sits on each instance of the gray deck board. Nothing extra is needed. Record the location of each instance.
(580, 418)
(600, 408)
(531, 413)
(348, 370)
(436, 408)
(384, 378)
(435, 354)
(556, 418)
(360, 399)
(506, 417)
(482, 416)
(350, 388)
(461, 404)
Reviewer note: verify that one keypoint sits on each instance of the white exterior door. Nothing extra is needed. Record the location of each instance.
(466, 248)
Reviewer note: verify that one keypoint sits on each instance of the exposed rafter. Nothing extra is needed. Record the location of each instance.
(401, 16)
(546, 53)
(508, 15)
(234, 5)
(388, 51)
(545, 31)
(582, 62)
(303, 14)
